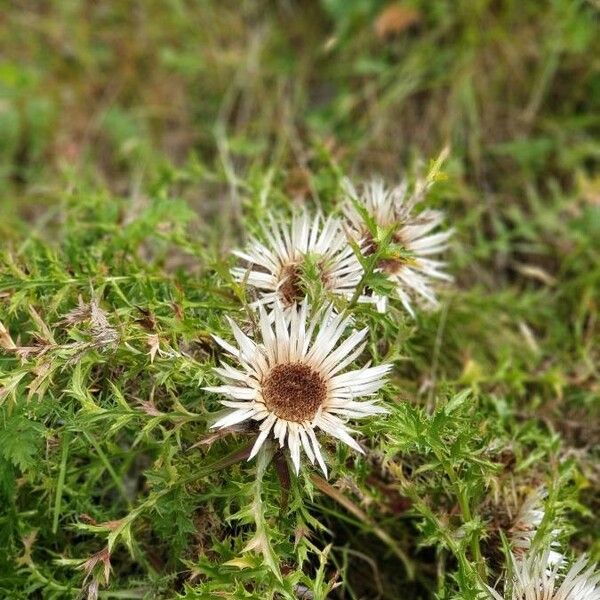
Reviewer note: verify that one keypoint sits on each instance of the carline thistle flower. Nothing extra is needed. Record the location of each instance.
(415, 273)
(537, 579)
(526, 524)
(275, 267)
(294, 381)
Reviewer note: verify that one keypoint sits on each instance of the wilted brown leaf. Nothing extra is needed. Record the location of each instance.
(112, 525)
(147, 318)
(6, 341)
(535, 272)
(28, 541)
(45, 335)
(212, 437)
(77, 315)
(24, 352)
(153, 342)
(149, 408)
(394, 19)
(178, 310)
(39, 384)
(100, 557)
(102, 331)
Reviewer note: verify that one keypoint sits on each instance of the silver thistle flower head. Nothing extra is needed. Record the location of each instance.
(537, 579)
(275, 267)
(414, 275)
(526, 524)
(294, 381)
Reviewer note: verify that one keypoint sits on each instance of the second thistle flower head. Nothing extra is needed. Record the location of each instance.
(526, 524)
(294, 381)
(536, 579)
(414, 272)
(275, 267)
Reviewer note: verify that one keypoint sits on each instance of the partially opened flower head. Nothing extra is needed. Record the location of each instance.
(413, 271)
(275, 267)
(536, 579)
(526, 524)
(294, 380)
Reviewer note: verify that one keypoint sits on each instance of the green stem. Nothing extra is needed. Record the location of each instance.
(467, 516)
(261, 539)
(104, 460)
(51, 583)
(372, 262)
(61, 480)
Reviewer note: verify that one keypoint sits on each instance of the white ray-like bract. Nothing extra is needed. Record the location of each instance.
(295, 381)
(415, 274)
(526, 524)
(275, 267)
(536, 579)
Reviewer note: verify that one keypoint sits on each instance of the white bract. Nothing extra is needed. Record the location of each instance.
(536, 579)
(294, 380)
(414, 274)
(275, 266)
(526, 524)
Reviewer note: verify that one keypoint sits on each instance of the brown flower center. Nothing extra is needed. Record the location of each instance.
(290, 289)
(392, 266)
(294, 392)
(370, 245)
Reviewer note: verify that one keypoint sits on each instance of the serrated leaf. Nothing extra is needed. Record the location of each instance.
(20, 441)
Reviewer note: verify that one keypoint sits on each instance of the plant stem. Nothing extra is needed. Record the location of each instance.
(61, 479)
(467, 516)
(372, 262)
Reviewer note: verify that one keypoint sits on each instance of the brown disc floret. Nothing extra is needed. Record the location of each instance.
(294, 392)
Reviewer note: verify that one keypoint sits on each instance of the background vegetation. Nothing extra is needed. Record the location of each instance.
(141, 141)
